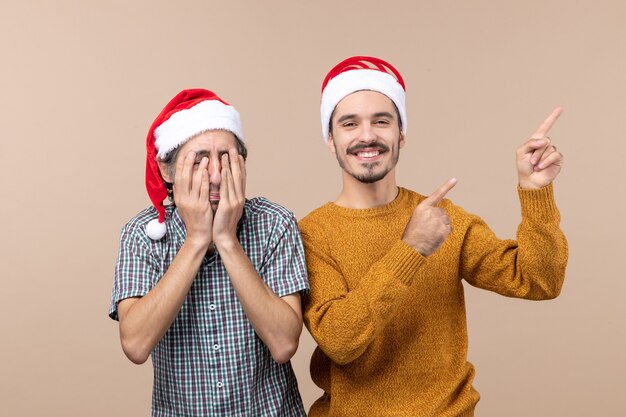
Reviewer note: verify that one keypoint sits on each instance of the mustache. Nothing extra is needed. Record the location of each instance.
(374, 144)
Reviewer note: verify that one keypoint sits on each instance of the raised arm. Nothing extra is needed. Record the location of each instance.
(144, 320)
(533, 265)
(344, 321)
(276, 320)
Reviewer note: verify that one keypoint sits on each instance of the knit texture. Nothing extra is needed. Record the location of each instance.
(390, 324)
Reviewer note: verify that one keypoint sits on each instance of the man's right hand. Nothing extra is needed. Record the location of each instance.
(144, 320)
(191, 195)
(429, 225)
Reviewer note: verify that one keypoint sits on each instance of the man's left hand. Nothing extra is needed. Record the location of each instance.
(538, 161)
(232, 199)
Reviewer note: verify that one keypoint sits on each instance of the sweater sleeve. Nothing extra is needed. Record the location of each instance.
(531, 267)
(344, 321)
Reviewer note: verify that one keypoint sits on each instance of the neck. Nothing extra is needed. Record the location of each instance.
(358, 195)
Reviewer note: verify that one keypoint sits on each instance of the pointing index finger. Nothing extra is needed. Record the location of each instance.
(436, 197)
(547, 124)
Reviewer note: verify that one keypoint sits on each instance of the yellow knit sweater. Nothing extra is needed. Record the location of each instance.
(390, 324)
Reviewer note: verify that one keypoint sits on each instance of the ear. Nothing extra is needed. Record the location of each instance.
(165, 172)
(331, 144)
(402, 140)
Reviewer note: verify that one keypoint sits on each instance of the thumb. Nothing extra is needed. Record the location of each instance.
(436, 197)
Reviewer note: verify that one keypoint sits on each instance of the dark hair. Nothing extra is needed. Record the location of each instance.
(172, 156)
(330, 121)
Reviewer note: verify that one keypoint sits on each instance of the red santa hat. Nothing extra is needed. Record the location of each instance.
(361, 73)
(188, 114)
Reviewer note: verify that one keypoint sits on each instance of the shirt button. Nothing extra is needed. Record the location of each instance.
(216, 347)
(219, 384)
(211, 307)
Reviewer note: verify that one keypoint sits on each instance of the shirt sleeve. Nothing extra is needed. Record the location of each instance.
(345, 321)
(530, 267)
(136, 270)
(283, 268)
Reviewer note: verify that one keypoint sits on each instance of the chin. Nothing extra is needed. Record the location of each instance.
(370, 179)
(368, 176)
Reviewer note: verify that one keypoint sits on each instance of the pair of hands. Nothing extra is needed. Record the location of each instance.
(538, 164)
(192, 194)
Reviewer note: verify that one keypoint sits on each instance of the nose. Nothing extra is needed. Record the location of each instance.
(215, 171)
(367, 133)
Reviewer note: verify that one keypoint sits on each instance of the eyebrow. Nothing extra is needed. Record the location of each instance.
(346, 117)
(375, 115)
(383, 114)
(202, 153)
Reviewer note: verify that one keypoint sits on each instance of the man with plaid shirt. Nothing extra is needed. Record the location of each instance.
(210, 286)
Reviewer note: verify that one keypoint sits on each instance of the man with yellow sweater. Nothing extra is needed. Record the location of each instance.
(386, 264)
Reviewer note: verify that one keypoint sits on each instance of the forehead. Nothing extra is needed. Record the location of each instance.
(210, 140)
(364, 102)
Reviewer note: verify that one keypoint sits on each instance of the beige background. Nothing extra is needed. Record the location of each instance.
(81, 81)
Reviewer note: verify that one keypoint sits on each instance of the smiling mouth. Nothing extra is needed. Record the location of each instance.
(368, 154)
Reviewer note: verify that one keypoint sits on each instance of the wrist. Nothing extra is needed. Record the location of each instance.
(419, 248)
(528, 186)
(226, 243)
(198, 241)
(425, 252)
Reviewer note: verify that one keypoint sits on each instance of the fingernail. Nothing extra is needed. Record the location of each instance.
(533, 161)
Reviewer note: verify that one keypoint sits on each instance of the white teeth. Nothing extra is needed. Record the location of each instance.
(368, 154)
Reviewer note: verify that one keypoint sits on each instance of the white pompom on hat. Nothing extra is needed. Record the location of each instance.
(361, 73)
(188, 114)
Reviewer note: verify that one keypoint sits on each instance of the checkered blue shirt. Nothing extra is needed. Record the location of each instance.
(210, 361)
